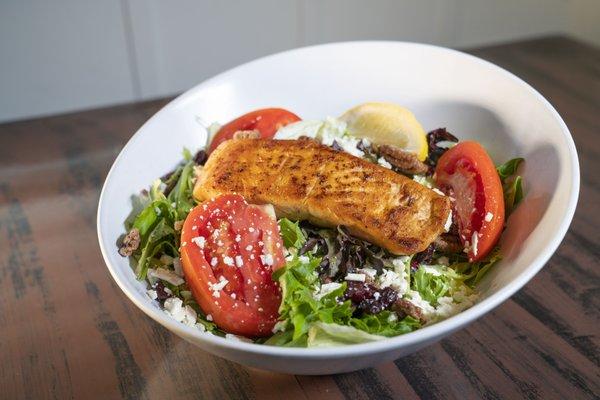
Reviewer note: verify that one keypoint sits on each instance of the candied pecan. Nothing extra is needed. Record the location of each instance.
(130, 243)
(178, 225)
(308, 138)
(254, 134)
(404, 161)
(448, 243)
(403, 307)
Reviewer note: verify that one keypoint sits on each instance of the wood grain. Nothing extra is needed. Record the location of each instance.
(68, 332)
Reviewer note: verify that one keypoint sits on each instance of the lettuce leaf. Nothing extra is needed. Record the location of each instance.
(513, 193)
(512, 185)
(291, 234)
(385, 323)
(433, 282)
(473, 272)
(509, 168)
(322, 334)
(431, 287)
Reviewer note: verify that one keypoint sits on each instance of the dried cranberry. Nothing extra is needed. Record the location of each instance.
(368, 298)
(359, 291)
(380, 302)
(161, 293)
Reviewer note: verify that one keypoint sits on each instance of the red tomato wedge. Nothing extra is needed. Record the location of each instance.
(266, 121)
(467, 173)
(229, 250)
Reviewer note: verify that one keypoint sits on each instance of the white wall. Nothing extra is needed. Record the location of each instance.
(66, 55)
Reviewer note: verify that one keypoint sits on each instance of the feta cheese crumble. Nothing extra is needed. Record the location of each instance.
(238, 261)
(166, 275)
(355, 277)
(174, 307)
(199, 241)
(475, 242)
(216, 288)
(325, 289)
(384, 163)
(448, 223)
(236, 338)
(423, 180)
(266, 259)
(177, 266)
(488, 216)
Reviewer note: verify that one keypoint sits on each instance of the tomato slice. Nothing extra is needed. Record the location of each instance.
(467, 174)
(266, 121)
(229, 250)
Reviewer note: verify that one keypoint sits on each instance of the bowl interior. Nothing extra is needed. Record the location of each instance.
(444, 88)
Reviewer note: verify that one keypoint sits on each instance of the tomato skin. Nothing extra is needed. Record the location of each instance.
(266, 121)
(233, 231)
(467, 173)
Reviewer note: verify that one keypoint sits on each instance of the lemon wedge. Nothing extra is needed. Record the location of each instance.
(387, 123)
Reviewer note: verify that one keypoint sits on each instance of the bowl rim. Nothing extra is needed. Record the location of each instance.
(422, 335)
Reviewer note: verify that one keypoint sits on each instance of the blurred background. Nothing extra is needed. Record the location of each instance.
(66, 55)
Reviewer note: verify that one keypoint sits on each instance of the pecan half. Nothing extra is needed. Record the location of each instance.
(404, 161)
(403, 307)
(130, 243)
(448, 243)
(254, 134)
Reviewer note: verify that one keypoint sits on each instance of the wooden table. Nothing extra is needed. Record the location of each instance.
(67, 331)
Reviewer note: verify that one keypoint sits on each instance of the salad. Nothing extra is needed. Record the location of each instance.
(291, 232)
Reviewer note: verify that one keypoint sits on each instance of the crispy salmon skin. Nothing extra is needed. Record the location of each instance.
(305, 180)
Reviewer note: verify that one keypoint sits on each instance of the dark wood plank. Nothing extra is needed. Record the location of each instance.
(68, 332)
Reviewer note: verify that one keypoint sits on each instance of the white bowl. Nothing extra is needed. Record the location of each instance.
(473, 98)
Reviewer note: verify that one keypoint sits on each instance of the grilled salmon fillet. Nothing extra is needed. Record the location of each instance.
(305, 180)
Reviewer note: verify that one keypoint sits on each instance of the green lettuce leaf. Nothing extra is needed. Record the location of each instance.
(512, 185)
(181, 194)
(291, 234)
(473, 272)
(433, 285)
(322, 334)
(155, 243)
(385, 323)
(513, 193)
(509, 168)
